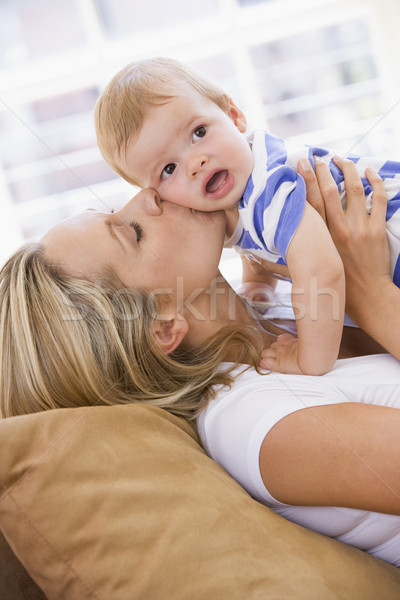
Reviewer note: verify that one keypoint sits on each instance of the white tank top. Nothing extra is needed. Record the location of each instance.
(233, 426)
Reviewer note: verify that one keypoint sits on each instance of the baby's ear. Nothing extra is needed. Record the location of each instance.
(235, 114)
(170, 331)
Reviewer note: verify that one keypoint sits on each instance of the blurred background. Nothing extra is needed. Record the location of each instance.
(322, 71)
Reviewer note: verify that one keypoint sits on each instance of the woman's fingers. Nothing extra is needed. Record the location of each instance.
(314, 196)
(377, 219)
(356, 214)
(330, 194)
(379, 196)
(359, 237)
(355, 194)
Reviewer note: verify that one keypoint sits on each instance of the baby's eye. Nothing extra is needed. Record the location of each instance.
(199, 132)
(168, 170)
(138, 230)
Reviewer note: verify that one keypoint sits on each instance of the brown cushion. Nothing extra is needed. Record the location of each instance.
(15, 582)
(121, 503)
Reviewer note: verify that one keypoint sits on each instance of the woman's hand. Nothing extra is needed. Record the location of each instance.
(372, 300)
(359, 237)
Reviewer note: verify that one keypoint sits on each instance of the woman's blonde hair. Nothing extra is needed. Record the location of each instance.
(68, 342)
(120, 110)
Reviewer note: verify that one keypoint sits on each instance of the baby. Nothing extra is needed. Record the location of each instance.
(162, 124)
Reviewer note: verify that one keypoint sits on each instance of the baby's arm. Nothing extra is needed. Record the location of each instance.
(318, 299)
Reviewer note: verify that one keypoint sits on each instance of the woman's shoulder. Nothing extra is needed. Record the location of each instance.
(351, 380)
(374, 368)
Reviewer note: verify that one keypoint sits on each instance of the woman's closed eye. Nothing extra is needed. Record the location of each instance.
(198, 133)
(138, 230)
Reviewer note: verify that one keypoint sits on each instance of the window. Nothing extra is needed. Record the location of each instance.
(318, 70)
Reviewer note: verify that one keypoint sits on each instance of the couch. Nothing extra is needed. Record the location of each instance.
(122, 503)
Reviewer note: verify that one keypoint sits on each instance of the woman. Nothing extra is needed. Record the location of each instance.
(109, 308)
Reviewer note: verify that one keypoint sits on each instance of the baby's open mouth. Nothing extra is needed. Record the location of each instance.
(216, 181)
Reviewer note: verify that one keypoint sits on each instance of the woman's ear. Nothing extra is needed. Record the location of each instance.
(169, 332)
(235, 114)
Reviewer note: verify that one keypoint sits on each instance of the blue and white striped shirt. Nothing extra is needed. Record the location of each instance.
(273, 202)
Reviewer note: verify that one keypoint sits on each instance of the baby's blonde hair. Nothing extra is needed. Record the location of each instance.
(121, 109)
(68, 342)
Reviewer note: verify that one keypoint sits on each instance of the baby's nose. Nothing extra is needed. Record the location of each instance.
(197, 164)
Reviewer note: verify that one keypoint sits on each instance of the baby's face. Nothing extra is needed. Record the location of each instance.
(191, 152)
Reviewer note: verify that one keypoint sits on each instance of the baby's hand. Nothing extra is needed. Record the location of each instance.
(281, 356)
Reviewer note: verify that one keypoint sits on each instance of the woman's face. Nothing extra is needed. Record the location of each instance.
(150, 244)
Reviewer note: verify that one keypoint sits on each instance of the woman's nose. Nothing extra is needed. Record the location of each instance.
(152, 202)
(146, 202)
